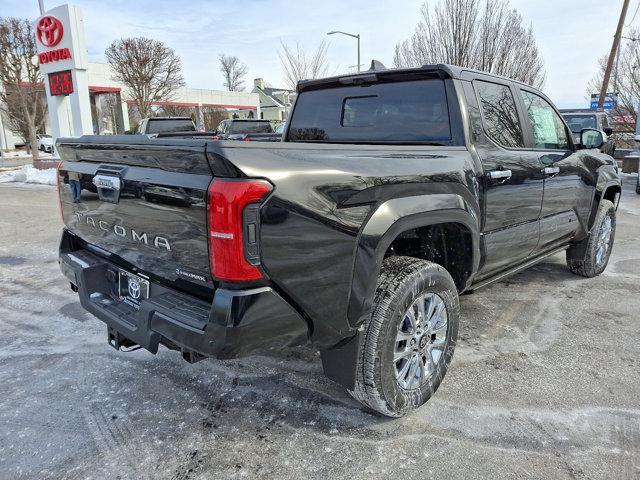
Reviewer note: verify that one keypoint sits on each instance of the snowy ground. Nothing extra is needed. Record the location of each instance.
(29, 174)
(544, 384)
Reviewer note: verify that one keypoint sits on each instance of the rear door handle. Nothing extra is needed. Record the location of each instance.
(551, 170)
(500, 174)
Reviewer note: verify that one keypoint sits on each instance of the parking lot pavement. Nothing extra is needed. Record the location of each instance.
(544, 384)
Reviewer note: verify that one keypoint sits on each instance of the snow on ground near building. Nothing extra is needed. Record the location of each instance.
(29, 174)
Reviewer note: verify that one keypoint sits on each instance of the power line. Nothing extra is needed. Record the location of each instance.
(634, 15)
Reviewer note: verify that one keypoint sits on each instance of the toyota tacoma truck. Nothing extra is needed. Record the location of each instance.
(392, 192)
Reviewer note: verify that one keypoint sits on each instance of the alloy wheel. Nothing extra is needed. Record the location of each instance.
(421, 341)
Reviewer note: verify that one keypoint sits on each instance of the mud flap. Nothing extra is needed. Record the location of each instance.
(339, 362)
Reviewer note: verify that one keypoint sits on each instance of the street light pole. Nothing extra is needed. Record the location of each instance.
(41, 3)
(358, 53)
(354, 35)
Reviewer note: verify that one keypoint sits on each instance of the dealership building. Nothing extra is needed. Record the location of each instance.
(110, 106)
(195, 100)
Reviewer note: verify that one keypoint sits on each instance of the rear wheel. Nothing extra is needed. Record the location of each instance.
(590, 257)
(638, 185)
(409, 339)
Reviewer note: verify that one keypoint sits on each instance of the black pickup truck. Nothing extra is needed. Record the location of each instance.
(246, 130)
(393, 192)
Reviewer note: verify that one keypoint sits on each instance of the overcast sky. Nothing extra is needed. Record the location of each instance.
(571, 34)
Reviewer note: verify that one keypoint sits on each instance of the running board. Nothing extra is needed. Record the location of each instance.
(517, 269)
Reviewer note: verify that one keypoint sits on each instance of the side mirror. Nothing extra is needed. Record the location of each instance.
(608, 131)
(591, 138)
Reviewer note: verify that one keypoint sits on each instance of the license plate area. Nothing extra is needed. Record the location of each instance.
(133, 288)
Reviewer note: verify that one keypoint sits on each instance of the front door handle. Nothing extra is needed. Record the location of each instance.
(551, 170)
(500, 174)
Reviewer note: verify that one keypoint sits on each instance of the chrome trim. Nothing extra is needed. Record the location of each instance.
(500, 174)
(75, 259)
(108, 182)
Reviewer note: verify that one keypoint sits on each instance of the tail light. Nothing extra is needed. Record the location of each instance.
(247, 139)
(233, 228)
(215, 137)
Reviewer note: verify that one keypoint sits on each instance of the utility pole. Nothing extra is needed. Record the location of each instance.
(613, 54)
(41, 5)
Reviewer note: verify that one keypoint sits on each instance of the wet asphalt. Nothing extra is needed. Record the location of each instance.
(545, 383)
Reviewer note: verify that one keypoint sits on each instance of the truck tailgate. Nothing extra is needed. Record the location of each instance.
(142, 204)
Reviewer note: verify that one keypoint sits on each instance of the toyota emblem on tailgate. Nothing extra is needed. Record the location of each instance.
(134, 288)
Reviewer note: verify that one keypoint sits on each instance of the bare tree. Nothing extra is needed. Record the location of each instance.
(21, 89)
(175, 111)
(213, 116)
(233, 71)
(480, 34)
(151, 71)
(299, 65)
(626, 81)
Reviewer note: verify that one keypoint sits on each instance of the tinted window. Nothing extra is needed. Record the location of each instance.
(387, 113)
(161, 126)
(500, 114)
(549, 131)
(578, 122)
(250, 127)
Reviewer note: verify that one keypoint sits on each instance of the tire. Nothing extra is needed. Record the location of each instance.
(404, 284)
(587, 258)
(638, 185)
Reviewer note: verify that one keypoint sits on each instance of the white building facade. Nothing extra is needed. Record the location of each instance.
(115, 119)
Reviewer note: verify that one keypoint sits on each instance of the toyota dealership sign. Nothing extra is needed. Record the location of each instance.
(62, 56)
(49, 33)
(60, 40)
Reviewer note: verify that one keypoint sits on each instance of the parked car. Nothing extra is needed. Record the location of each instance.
(578, 120)
(45, 143)
(393, 192)
(155, 125)
(235, 129)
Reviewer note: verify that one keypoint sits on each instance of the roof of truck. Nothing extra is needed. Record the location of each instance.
(440, 69)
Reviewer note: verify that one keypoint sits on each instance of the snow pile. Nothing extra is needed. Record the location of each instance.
(28, 174)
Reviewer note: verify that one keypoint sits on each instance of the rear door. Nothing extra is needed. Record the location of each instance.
(512, 181)
(568, 186)
(143, 204)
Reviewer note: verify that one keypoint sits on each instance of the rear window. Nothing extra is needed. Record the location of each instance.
(386, 113)
(250, 127)
(158, 125)
(578, 122)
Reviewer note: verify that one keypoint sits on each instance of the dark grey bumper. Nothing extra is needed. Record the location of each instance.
(236, 323)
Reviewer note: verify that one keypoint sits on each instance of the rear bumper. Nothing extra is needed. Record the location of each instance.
(235, 323)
